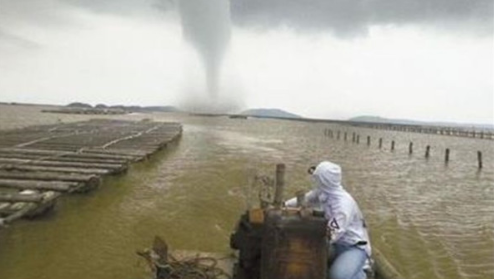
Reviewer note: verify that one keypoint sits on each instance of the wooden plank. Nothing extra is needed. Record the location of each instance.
(45, 138)
(14, 214)
(55, 169)
(112, 167)
(63, 159)
(39, 185)
(135, 152)
(63, 153)
(50, 176)
(104, 156)
(17, 197)
(28, 209)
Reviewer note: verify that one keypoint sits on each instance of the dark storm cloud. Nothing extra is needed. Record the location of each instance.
(343, 17)
(354, 16)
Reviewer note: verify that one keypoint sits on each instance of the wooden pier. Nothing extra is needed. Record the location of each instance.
(468, 132)
(455, 131)
(38, 164)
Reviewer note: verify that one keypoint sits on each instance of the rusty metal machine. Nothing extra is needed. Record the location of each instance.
(275, 242)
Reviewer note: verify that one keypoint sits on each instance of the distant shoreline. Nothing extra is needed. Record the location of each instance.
(361, 121)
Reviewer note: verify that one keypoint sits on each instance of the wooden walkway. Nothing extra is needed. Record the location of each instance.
(426, 129)
(456, 131)
(38, 164)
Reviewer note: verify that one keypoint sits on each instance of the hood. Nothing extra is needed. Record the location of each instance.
(327, 176)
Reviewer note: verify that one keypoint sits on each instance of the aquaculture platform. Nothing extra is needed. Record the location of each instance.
(38, 164)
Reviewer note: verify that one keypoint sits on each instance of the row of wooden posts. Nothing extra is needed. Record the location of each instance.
(356, 139)
(438, 130)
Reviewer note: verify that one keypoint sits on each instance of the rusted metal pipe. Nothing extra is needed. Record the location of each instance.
(279, 185)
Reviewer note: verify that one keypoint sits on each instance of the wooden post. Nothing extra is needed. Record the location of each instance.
(280, 185)
(380, 143)
(427, 151)
(479, 159)
(345, 136)
(353, 137)
(358, 139)
(338, 135)
(410, 148)
(300, 198)
(392, 145)
(368, 140)
(446, 155)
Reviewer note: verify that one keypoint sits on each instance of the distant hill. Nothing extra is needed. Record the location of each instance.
(378, 119)
(269, 113)
(79, 105)
(125, 108)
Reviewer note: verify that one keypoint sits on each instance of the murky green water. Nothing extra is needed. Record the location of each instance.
(429, 219)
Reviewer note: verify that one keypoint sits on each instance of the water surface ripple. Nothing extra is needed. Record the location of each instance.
(429, 219)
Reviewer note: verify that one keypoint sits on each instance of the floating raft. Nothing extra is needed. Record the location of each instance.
(38, 164)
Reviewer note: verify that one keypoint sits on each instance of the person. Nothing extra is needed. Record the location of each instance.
(349, 243)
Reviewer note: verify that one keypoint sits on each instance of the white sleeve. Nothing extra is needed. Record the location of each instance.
(291, 202)
(310, 198)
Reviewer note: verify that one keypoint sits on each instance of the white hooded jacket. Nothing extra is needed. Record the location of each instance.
(345, 220)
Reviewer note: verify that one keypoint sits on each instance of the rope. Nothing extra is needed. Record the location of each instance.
(194, 268)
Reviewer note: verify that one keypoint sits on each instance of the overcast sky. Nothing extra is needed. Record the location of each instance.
(420, 59)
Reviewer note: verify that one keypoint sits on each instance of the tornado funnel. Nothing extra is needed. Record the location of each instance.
(206, 25)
